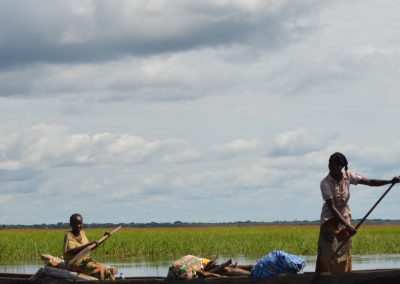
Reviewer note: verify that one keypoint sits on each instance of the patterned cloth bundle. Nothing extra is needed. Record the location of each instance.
(187, 267)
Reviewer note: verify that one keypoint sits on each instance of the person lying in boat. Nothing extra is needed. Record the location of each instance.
(336, 214)
(74, 242)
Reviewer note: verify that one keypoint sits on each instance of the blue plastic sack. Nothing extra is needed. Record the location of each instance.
(277, 262)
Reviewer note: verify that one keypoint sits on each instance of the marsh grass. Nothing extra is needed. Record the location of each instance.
(252, 242)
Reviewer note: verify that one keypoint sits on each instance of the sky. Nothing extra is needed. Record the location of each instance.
(194, 111)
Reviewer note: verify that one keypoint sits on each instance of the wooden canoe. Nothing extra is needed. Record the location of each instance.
(384, 276)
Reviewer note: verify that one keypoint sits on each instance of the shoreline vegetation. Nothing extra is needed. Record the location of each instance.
(27, 244)
(61, 225)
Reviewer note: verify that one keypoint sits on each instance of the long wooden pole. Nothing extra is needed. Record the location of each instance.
(363, 219)
(86, 250)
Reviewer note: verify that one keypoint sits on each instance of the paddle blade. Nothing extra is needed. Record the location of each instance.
(82, 253)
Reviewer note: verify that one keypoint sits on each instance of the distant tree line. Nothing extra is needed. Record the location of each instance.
(61, 225)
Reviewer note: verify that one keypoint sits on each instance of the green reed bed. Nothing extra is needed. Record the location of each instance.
(254, 242)
(377, 240)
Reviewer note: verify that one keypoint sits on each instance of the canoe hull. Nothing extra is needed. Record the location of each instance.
(387, 276)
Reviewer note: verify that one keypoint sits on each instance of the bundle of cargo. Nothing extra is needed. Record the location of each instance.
(191, 267)
(56, 267)
(273, 264)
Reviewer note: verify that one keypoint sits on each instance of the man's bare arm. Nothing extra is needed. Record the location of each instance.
(378, 182)
(340, 217)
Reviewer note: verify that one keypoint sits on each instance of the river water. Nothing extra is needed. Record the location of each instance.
(151, 267)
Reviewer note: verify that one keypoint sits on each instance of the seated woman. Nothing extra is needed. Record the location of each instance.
(74, 242)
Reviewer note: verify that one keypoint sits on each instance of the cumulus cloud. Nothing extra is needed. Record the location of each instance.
(46, 145)
(159, 109)
(101, 30)
(50, 145)
(297, 142)
(159, 78)
(225, 151)
(287, 176)
(147, 50)
(374, 161)
(237, 146)
(217, 184)
(205, 49)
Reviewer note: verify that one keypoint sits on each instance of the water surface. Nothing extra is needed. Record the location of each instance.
(151, 267)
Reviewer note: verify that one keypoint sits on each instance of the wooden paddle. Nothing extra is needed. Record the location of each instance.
(362, 220)
(86, 250)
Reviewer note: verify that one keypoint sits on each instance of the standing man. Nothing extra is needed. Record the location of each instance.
(336, 214)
